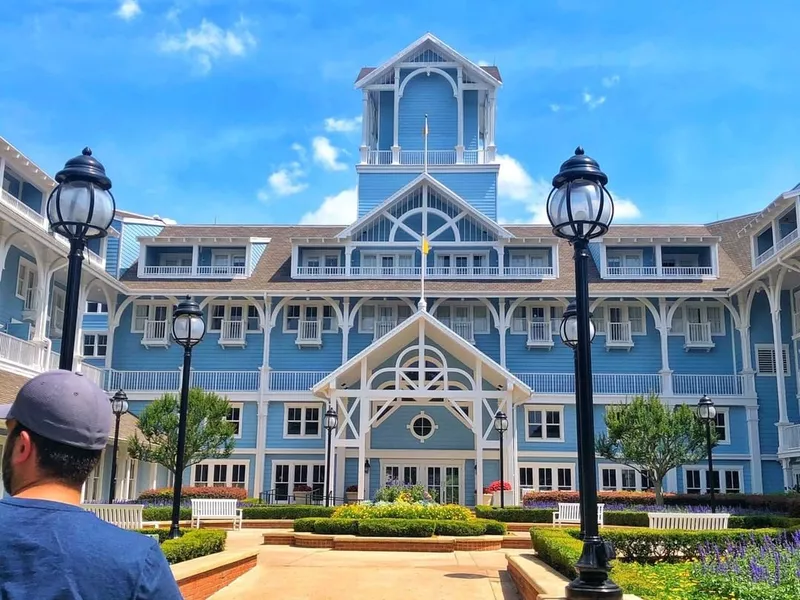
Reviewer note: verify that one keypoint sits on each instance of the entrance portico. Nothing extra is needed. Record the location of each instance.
(389, 397)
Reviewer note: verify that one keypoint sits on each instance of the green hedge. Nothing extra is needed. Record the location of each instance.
(412, 528)
(460, 528)
(557, 548)
(286, 512)
(353, 527)
(164, 513)
(162, 534)
(404, 510)
(305, 525)
(194, 544)
(515, 514)
(336, 526)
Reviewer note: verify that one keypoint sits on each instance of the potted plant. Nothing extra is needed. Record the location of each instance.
(352, 494)
(487, 497)
(301, 493)
(496, 488)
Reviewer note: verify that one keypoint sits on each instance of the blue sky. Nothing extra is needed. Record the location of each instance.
(237, 111)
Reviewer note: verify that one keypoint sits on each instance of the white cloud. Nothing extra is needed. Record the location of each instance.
(593, 101)
(286, 181)
(128, 9)
(515, 185)
(555, 107)
(326, 154)
(610, 81)
(300, 149)
(340, 209)
(343, 125)
(210, 42)
(173, 14)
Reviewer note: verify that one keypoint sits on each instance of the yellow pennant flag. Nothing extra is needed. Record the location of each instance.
(425, 246)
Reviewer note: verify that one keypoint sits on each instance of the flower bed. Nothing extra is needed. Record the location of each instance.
(277, 512)
(194, 544)
(388, 527)
(189, 493)
(404, 510)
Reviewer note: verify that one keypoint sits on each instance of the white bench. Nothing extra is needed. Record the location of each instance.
(125, 516)
(570, 514)
(688, 521)
(216, 510)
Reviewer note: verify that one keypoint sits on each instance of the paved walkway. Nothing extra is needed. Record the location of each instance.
(321, 574)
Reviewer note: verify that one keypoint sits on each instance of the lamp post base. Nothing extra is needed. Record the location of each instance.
(592, 582)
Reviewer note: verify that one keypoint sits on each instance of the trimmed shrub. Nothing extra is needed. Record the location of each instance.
(557, 548)
(164, 513)
(493, 527)
(406, 493)
(336, 526)
(460, 528)
(643, 545)
(194, 544)
(189, 493)
(286, 511)
(404, 510)
(515, 514)
(413, 528)
(305, 525)
(625, 518)
(162, 534)
(762, 521)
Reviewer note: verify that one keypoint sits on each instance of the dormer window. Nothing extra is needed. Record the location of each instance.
(461, 264)
(624, 262)
(11, 184)
(387, 264)
(323, 263)
(227, 262)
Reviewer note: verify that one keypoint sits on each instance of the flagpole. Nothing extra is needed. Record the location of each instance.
(422, 305)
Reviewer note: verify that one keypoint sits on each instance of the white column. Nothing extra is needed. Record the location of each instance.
(460, 99)
(339, 470)
(153, 476)
(295, 259)
(659, 267)
(477, 420)
(363, 420)
(396, 125)
(364, 125)
(348, 259)
(780, 381)
(747, 372)
(756, 483)
(345, 326)
(263, 400)
(42, 301)
(672, 481)
(501, 328)
(776, 236)
(196, 259)
(79, 328)
(112, 328)
(786, 465)
(663, 330)
(2, 167)
(490, 145)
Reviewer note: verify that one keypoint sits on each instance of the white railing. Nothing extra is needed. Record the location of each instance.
(95, 259)
(383, 327)
(309, 332)
(698, 335)
(459, 272)
(21, 352)
(687, 272)
(220, 271)
(417, 157)
(156, 381)
(380, 272)
(295, 380)
(713, 385)
(23, 209)
(786, 240)
(631, 271)
(464, 329)
(766, 255)
(232, 332)
(619, 334)
(379, 157)
(658, 272)
(540, 333)
(435, 157)
(54, 359)
(791, 437)
(156, 332)
(171, 271)
(92, 373)
(205, 271)
(603, 383)
(529, 271)
(321, 272)
(226, 381)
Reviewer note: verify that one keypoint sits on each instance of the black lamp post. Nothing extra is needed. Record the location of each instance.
(707, 412)
(501, 426)
(188, 329)
(119, 406)
(80, 208)
(569, 336)
(330, 422)
(580, 209)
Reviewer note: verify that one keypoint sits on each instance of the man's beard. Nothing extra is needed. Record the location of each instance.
(7, 469)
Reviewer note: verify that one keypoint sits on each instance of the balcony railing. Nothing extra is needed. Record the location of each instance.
(618, 335)
(232, 333)
(21, 352)
(786, 240)
(540, 334)
(527, 272)
(417, 157)
(463, 328)
(156, 381)
(156, 333)
(713, 385)
(765, 256)
(200, 271)
(295, 380)
(698, 335)
(414, 272)
(385, 272)
(658, 272)
(791, 437)
(382, 327)
(603, 383)
(309, 333)
(92, 373)
(23, 209)
(321, 272)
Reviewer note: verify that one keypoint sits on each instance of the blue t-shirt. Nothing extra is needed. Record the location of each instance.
(56, 551)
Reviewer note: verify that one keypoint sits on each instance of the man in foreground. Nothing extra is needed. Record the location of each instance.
(57, 428)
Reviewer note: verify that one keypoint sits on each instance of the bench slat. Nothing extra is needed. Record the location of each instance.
(688, 521)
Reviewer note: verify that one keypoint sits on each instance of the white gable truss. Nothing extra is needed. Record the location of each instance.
(427, 51)
(426, 196)
(420, 371)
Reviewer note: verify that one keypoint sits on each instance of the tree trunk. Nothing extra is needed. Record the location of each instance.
(659, 492)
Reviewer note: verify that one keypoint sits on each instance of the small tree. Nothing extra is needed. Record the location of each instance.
(208, 432)
(653, 438)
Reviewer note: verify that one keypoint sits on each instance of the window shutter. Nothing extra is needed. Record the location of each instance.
(785, 361)
(765, 360)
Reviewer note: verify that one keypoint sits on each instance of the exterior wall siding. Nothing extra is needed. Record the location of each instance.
(129, 242)
(431, 95)
(375, 188)
(478, 189)
(470, 119)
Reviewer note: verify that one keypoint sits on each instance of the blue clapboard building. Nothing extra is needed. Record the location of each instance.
(301, 318)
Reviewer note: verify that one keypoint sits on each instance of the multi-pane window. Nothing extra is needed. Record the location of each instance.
(726, 481)
(235, 416)
(369, 314)
(628, 480)
(99, 308)
(26, 284)
(12, 184)
(57, 309)
(522, 315)
(217, 316)
(543, 423)
(150, 312)
(95, 344)
(546, 478)
(620, 313)
(721, 426)
(220, 474)
(456, 315)
(765, 359)
(323, 314)
(201, 475)
(302, 421)
(693, 485)
(705, 312)
(238, 476)
(253, 321)
(609, 479)
(621, 477)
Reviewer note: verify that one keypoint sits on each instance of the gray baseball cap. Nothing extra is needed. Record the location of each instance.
(63, 407)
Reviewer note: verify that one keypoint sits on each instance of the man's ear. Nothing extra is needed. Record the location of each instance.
(23, 449)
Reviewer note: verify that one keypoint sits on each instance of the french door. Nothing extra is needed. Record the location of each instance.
(443, 482)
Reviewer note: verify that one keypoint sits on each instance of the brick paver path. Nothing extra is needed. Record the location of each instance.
(319, 574)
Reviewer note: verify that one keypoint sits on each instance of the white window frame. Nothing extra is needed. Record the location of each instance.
(230, 463)
(128, 469)
(418, 417)
(543, 408)
(13, 175)
(320, 316)
(321, 256)
(723, 488)
(471, 306)
(99, 311)
(554, 467)
(451, 255)
(227, 314)
(180, 257)
(548, 307)
(612, 252)
(230, 255)
(726, 412)
(95, 344)
(240, 407)
(786, 360)
(618, 469)
(150, 312)
(702, 306)
(376, 306)
(379, 256)
(292, 464)
(24, 269)
(529, 255)
(303, 421)
(623, 307)
(56, 312)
